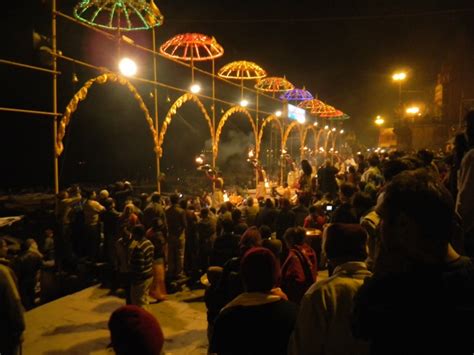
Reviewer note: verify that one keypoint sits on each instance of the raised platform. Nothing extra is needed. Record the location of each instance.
(77, 324)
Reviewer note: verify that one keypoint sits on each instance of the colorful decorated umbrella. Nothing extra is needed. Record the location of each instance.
(192, 47)
(242, 70)
(337, 115)
(315, 106)
(297, 95)
(274, 84)
(119, 15)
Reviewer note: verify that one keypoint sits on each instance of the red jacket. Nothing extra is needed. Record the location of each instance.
(298, 272)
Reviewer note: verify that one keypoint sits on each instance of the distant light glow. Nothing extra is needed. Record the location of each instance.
(195, 88)
(326, 127)
(399, 76)
(315, 123)
(379, 120)
(334, 129)
(244, 103)
(342, 131)
(199, 160)
(413, 110)
(128, 67)
(278, 113)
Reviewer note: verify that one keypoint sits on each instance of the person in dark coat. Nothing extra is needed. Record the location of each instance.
(260, 320)
(327, 179)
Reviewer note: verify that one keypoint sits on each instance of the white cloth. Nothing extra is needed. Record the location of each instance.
(323, 324)
(465, 198)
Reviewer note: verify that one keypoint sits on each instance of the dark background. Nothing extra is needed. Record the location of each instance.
(343, 51)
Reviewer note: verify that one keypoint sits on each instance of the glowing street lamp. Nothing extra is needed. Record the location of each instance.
(128, 67)
(195, 88)
(414, 110)
(400, 76)
(379, 120)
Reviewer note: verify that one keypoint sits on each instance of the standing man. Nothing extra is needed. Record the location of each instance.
(465, 198)
(176, 218)
(92, 210)
(218, 182)
(141, 267)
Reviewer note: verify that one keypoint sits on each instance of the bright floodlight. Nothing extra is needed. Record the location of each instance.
(278, 113)
(399, 76)
(195, 88)
(413, 110)
(128, 67)
(244, 103)
(379, 120)
(326, 127)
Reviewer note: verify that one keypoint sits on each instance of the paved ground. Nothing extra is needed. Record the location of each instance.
(77, 324)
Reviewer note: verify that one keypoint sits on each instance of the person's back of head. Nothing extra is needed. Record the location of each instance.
(347, 190)
(285, 203)
(155, 197)
(426, 156)
(138, 232)
(374, 160)
(345, 242)
(394, 167)
(183, 204)
(294, 236)
(269, 203)
(133, 330)
(204, 213)
(418, 216)
(240, 228)
(227, 226)
(236, 215)
(313, 210)
(306, 167)
(250, 202)
(174, 199)
(259, 270)
(109, 203)
(251, 238)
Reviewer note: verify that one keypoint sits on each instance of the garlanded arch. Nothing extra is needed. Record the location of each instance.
(172, 111)
(304, 135)
(223, 120)
(288, 131)
(81, 95)
(266, 121)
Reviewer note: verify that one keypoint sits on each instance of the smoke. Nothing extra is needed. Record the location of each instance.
(235, 143)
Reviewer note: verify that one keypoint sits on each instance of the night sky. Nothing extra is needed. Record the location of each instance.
(343, 51)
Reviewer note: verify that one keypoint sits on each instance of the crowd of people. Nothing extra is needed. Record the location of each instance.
(395, 232)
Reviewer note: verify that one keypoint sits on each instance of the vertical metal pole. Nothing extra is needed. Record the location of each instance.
(257, 147)
(155, 96)
(213, 138)
(55, 96)
(213, 113)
